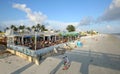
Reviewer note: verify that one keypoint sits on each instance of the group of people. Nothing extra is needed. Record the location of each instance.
(40, 43)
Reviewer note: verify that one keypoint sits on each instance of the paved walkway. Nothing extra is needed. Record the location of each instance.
(95, 57)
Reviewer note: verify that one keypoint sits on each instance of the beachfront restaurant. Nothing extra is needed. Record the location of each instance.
(32, 43)
(37, 44)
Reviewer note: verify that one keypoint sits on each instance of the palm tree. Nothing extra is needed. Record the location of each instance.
(12, 26)
(43, 28)
(0, 31)
(38, 27)
(7, 28)
(33, 27)
(28, 28)
(21, 27)
(15, 28)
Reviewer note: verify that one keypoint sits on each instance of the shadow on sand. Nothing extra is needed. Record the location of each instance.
(22, 69)
(56, 68)
(87, 58)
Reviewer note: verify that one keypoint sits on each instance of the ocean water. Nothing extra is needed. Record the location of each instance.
(117, 35)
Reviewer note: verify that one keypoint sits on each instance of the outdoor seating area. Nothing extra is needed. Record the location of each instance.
(40, 42)
(33, 43)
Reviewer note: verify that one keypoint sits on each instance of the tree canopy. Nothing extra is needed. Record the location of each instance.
(38, 26)
(0, 31)
(70, 28)
(41, 27)
(33, 27)
(22, 27)
(14, 27)
(28, 28)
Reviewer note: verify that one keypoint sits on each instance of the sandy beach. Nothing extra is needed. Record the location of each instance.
(100, 54)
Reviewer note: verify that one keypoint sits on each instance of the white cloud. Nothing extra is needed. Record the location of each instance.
(114, 4)
(112, 13)
(109, 27)
(59, 25)
(2, 27)
(36, 17)
(17, 22)
(86, 21)
(112, 29)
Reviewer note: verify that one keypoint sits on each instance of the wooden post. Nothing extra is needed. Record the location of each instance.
(55, 37)
(22, 40)
(49, 38)
(35, 40)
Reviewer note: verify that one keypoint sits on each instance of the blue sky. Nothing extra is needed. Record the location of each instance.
(100, 15)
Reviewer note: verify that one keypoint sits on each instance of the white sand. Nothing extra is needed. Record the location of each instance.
(102, 43)
(100, 54)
